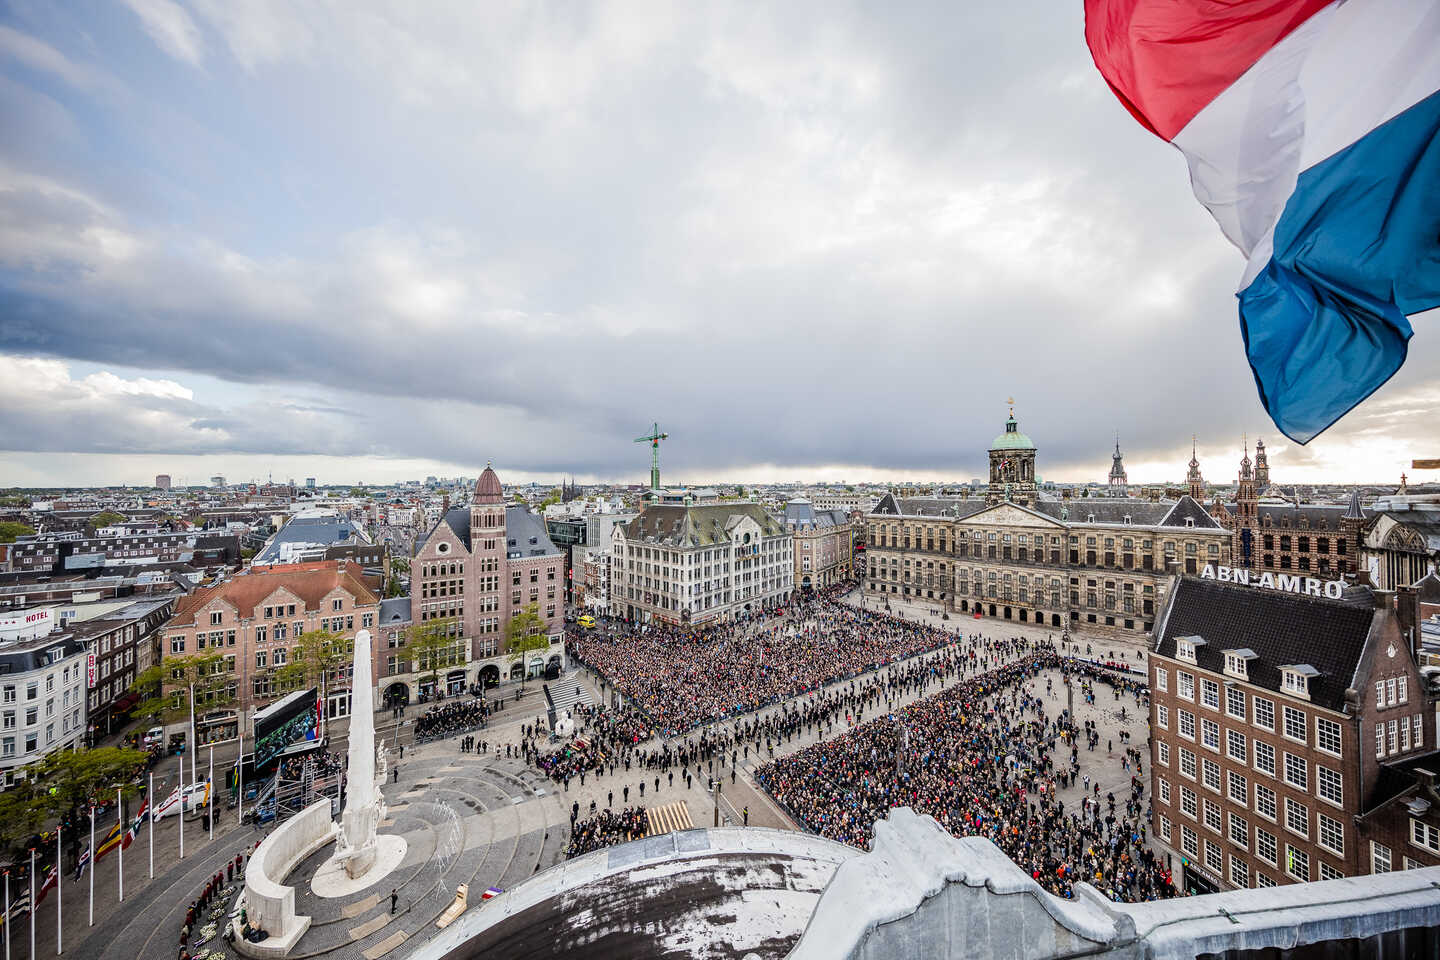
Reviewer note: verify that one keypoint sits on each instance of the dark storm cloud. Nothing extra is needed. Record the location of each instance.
(801, 235)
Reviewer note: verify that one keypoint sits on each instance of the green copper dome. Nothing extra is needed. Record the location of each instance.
(1012, 438)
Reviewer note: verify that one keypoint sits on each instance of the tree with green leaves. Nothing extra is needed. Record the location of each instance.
(435, 645)
(106, 518)
(166, 687)
(10, 530)
(315, 656)
(74, 779)
(23, 812)
(525, 632)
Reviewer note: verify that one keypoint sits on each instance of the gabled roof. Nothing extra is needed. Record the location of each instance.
(1428, 587)
(1281, 628)
(310, 582)
(525, 534)
(697, 525)
(1187, 509)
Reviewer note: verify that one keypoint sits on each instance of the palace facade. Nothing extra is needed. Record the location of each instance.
(1097, 564)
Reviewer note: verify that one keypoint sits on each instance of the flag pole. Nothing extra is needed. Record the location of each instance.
(150, 825)
(182, 808)
(120, 863)
(32, 902)
(194, 749)
(240, 776)
(7, 915)
(59, 893)
(92, 864)
(210, 793)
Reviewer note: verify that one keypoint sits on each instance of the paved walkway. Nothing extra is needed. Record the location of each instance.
(480, 819)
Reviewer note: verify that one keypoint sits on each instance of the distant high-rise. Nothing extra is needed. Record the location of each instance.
(309, 483)
(217, 481)
(162, 481)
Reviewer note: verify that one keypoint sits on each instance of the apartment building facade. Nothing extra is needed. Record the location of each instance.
(478, 567)
(1275, 704)
(252, 622)
(700, 563)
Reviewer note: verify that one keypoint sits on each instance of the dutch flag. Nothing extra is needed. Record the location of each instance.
(1310, 128)
(491, 892)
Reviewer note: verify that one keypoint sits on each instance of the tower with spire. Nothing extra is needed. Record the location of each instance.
(1117, 468)
(1012, 465)
(1193, 480)
(1262, 467)
(487, 517)
(1247, 511)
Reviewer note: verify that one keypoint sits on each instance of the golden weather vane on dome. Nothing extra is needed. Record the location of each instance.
(1011, 401)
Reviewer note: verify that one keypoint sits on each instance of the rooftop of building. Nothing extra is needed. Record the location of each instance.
(310, 582)
(322, 530)
(699, 524)
(1279, 628)
(525, 534)
(1183, 513)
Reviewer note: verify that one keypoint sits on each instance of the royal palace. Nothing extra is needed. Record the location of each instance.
(1092, 563)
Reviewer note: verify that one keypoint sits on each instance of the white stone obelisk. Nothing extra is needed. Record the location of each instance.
(364, 804)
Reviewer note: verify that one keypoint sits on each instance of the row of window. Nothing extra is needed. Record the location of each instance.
(1294, 771)
(1267, 850)
(1261, 711)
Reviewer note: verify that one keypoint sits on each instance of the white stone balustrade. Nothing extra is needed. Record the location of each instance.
(269, 904)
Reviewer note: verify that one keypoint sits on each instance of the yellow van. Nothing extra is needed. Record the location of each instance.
(587, 621)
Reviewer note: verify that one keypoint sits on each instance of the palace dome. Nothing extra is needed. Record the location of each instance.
(1012, 438)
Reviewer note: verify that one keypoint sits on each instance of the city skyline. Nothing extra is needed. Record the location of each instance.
(815, 235)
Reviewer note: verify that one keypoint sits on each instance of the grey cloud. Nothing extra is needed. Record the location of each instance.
(798, 235)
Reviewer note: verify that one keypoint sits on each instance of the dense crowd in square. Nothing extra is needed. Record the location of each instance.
(682, 677)
(985, 758)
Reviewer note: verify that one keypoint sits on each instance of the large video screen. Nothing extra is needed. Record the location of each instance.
(288, 721)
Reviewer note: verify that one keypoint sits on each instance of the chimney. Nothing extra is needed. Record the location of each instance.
(1384, 599)
(1407, 611)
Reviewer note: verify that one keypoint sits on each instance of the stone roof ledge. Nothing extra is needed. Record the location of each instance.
(955, 897)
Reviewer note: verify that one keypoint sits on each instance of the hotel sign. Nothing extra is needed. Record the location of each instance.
(1308, 586)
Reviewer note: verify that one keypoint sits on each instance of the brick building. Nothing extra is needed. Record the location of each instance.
(253, 619)
(1273, 716)
(1096, 564)
(44, 553)
(1320, 539)
(122, 643)
(480, 565)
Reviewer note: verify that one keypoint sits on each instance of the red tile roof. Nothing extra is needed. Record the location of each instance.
(311, 582)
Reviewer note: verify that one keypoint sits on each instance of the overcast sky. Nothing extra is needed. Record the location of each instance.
(378, 240)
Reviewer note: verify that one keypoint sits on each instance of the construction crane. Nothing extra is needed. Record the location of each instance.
(654, 440)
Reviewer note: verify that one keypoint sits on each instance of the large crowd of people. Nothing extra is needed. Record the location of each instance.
(606, 829)
(682, 678)
(985, 758)
(450, 720)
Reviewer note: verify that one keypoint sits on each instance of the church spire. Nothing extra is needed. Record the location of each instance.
(1117, 466)
(1193, 480)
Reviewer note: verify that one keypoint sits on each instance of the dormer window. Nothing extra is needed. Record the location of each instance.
(1237, 663)
(1295, 679)
(1185, 648)
(1189, 521)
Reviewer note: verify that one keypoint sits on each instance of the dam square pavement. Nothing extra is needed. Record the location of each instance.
(484, 820)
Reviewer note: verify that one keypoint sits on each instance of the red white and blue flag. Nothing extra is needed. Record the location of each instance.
(491, 892)
(1312, 132)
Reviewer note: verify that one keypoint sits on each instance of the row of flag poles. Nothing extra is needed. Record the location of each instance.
(118, 839)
